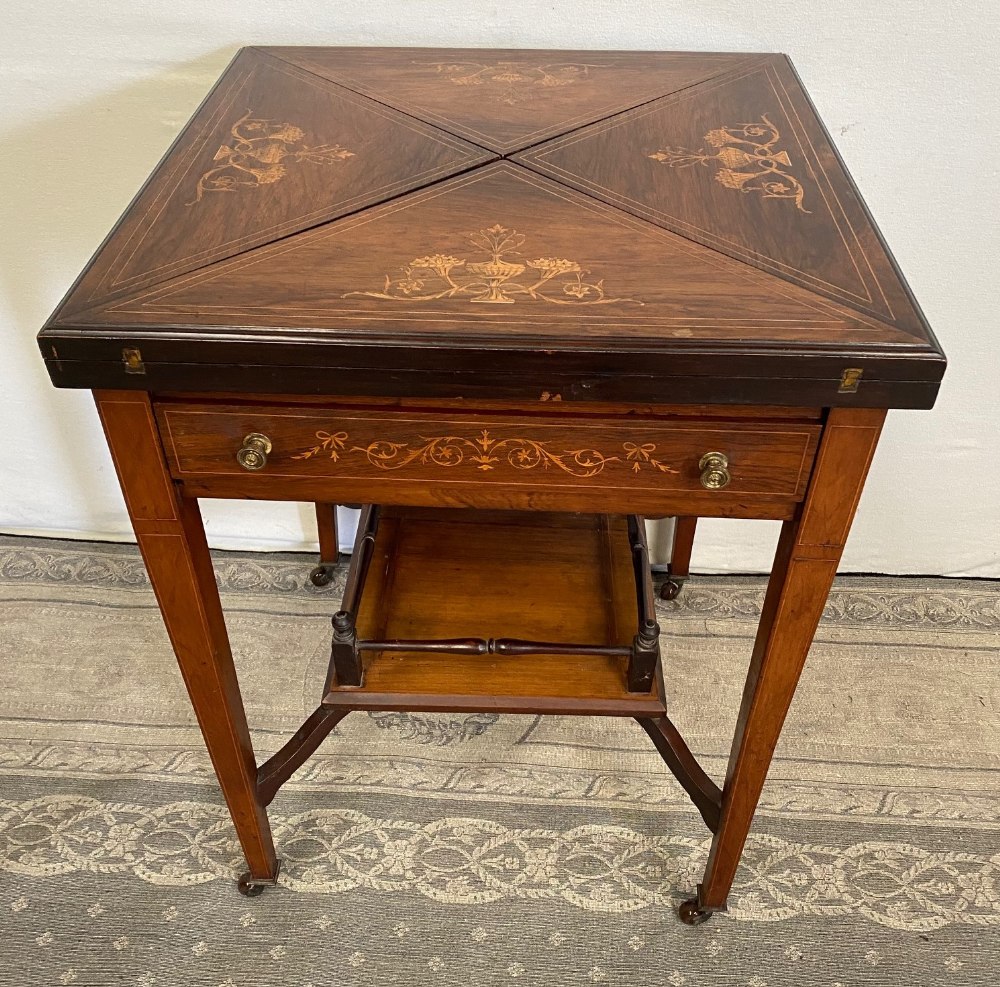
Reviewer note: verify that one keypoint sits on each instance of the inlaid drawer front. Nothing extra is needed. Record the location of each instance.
(762, 459)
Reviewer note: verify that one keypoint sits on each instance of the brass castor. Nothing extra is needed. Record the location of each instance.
(671, 588)
(692, 913)
(322, 575)
(248, 887)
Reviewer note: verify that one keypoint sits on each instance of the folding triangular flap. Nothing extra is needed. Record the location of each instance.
(742, 164)
(497, 254)
(508, 100)
(273, 150)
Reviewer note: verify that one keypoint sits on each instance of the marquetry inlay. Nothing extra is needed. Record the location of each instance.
(258, 153)
(513, 82)
(747, 160)
(495, 281)
(485, 452)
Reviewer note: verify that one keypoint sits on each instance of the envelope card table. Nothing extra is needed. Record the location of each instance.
(515, 302)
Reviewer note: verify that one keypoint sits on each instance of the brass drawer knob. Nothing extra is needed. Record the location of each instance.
(714, 471)
(253, 453)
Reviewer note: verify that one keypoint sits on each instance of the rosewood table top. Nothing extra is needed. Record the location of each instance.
(667, 227)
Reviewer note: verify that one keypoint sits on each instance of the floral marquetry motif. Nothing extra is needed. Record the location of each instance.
(513, 82)
(258, 154)
(749, 161)
(558, 280)
(485, 452)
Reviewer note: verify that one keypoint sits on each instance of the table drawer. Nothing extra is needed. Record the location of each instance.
(762, 459)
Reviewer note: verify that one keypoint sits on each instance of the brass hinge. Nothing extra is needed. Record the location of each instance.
(132, 359)
(849, 380)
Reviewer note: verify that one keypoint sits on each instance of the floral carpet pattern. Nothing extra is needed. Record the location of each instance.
(484, 849)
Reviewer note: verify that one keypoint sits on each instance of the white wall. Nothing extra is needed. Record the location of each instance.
(93, 92)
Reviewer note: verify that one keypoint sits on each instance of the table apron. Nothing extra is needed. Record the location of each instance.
(487, 497)
(560, 462)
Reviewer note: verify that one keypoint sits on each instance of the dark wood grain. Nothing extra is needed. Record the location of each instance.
(566, 269)
(514, 374)
(273, 151)
(550, 403)
(742, 165)
(509, 99)
(357, 258)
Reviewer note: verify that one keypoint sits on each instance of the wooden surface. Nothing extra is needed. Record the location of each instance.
(542, 281)
(738, 165)
(509, 99)
(382, 451)
(607, 225)
(172, 541)
(326, 532)
(445, 574)
(487, 496)
(683, 544)
(804, 567)
(458, 574)
(551, 403)
(420, 267)
(273, 150)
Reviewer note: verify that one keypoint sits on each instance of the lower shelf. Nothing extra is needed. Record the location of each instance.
(535, 684)
(463, 574)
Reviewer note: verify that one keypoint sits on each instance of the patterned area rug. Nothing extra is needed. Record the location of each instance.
(451, 849)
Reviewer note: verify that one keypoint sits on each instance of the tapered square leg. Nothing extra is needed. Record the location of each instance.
(806, 562)
(171, 537)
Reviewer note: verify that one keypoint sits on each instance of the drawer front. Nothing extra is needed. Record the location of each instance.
(765, 459)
